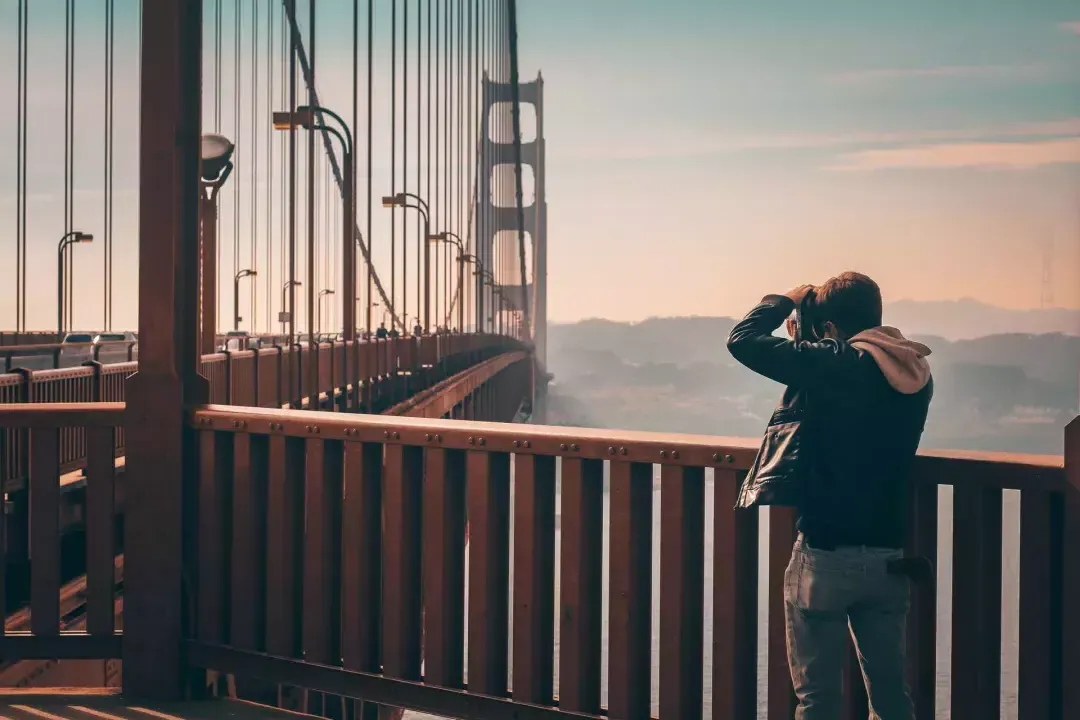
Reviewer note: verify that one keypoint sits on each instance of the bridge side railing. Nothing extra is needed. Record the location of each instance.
(48, 635)
(268, 377)
(386, 593)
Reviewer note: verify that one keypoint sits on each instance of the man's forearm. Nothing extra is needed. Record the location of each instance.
(751, 341)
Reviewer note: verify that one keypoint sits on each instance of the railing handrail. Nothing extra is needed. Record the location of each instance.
(57, 415)
(943, 467)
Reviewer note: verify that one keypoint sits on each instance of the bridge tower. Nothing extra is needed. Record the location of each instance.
(498, 220)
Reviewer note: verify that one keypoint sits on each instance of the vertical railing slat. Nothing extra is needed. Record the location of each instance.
(1039, 610)
(488, 489)
(534, 578)
(976, 621)
(630, 591)
(248, 597)
(284, 533)
(100, 548)
(682, 588)
(1068, 651)
(782, 700)
(580, 584)
(401, 568)
(45, 531)
(361, 545)
(215, 475)
(735, 602)
(322, 543)
(922, 618)
(444, 568)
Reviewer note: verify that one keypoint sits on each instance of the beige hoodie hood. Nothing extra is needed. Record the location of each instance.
(902, 361)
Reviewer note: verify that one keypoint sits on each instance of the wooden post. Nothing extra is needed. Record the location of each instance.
(160, 451)
(1070, 579)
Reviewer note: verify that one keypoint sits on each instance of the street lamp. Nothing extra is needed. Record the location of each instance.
(454, 239)
(70, 238)
(480, 295)
(236, 295)
(215, 154)
(401, 200)
(310, 118)
(322, 293)
(284, 288)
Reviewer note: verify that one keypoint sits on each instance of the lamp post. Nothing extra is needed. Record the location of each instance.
(216, 159)
(284, 288)
(70, 238)
(488, 280)
(236, 295)
(309, 118)
(322, 293)
(401, 200)
(453, 238)
(480, 295)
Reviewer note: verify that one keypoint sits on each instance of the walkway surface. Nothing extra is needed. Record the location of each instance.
(108, 704)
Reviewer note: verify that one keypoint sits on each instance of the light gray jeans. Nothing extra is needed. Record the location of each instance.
(828, 592)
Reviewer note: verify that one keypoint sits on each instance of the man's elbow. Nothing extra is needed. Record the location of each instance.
(738, 345)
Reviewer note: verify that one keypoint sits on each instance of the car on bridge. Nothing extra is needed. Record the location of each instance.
(75, 349)
(115, 347)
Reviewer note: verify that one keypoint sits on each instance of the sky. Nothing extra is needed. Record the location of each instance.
(700, 153)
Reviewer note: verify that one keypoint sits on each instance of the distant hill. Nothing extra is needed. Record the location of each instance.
(963, 319)
(1012, 388)
(966, 319)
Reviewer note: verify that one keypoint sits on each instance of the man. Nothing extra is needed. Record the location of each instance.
(865, 391)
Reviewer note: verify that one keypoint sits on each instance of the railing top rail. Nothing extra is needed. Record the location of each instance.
(1003, 470)
(56, 415)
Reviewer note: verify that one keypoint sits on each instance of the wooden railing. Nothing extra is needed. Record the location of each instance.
(329, 552)
(46, 636)
(349, 374)
(382, 567)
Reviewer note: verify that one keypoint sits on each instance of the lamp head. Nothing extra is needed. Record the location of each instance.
(437, 237)
(285, 120)
(215, 152)
(83, 237)
(390, 201)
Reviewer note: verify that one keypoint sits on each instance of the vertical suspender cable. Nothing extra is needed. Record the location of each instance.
(20, 159)
(427, 153)
(110, 161)
(217, 128)
(254, 230)
(355, 124)
(405, 162)
(67, 150)
(237, 182)
(393, 155)
(311, 193)
(435, 198)
(292, 187)
(370, 104)
(420, 277)
(269, 163)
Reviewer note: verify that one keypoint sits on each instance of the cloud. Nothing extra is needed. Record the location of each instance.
(686, 145)
(983, 155)
(984, 72)
(1073, 27)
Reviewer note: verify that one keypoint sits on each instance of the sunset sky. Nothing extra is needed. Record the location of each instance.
(700, 153)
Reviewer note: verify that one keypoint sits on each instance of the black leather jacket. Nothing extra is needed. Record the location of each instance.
(863, 433)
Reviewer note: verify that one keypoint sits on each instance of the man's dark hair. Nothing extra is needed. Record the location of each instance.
(851, 301)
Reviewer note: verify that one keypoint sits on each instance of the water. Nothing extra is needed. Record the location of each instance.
(1010, 603)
